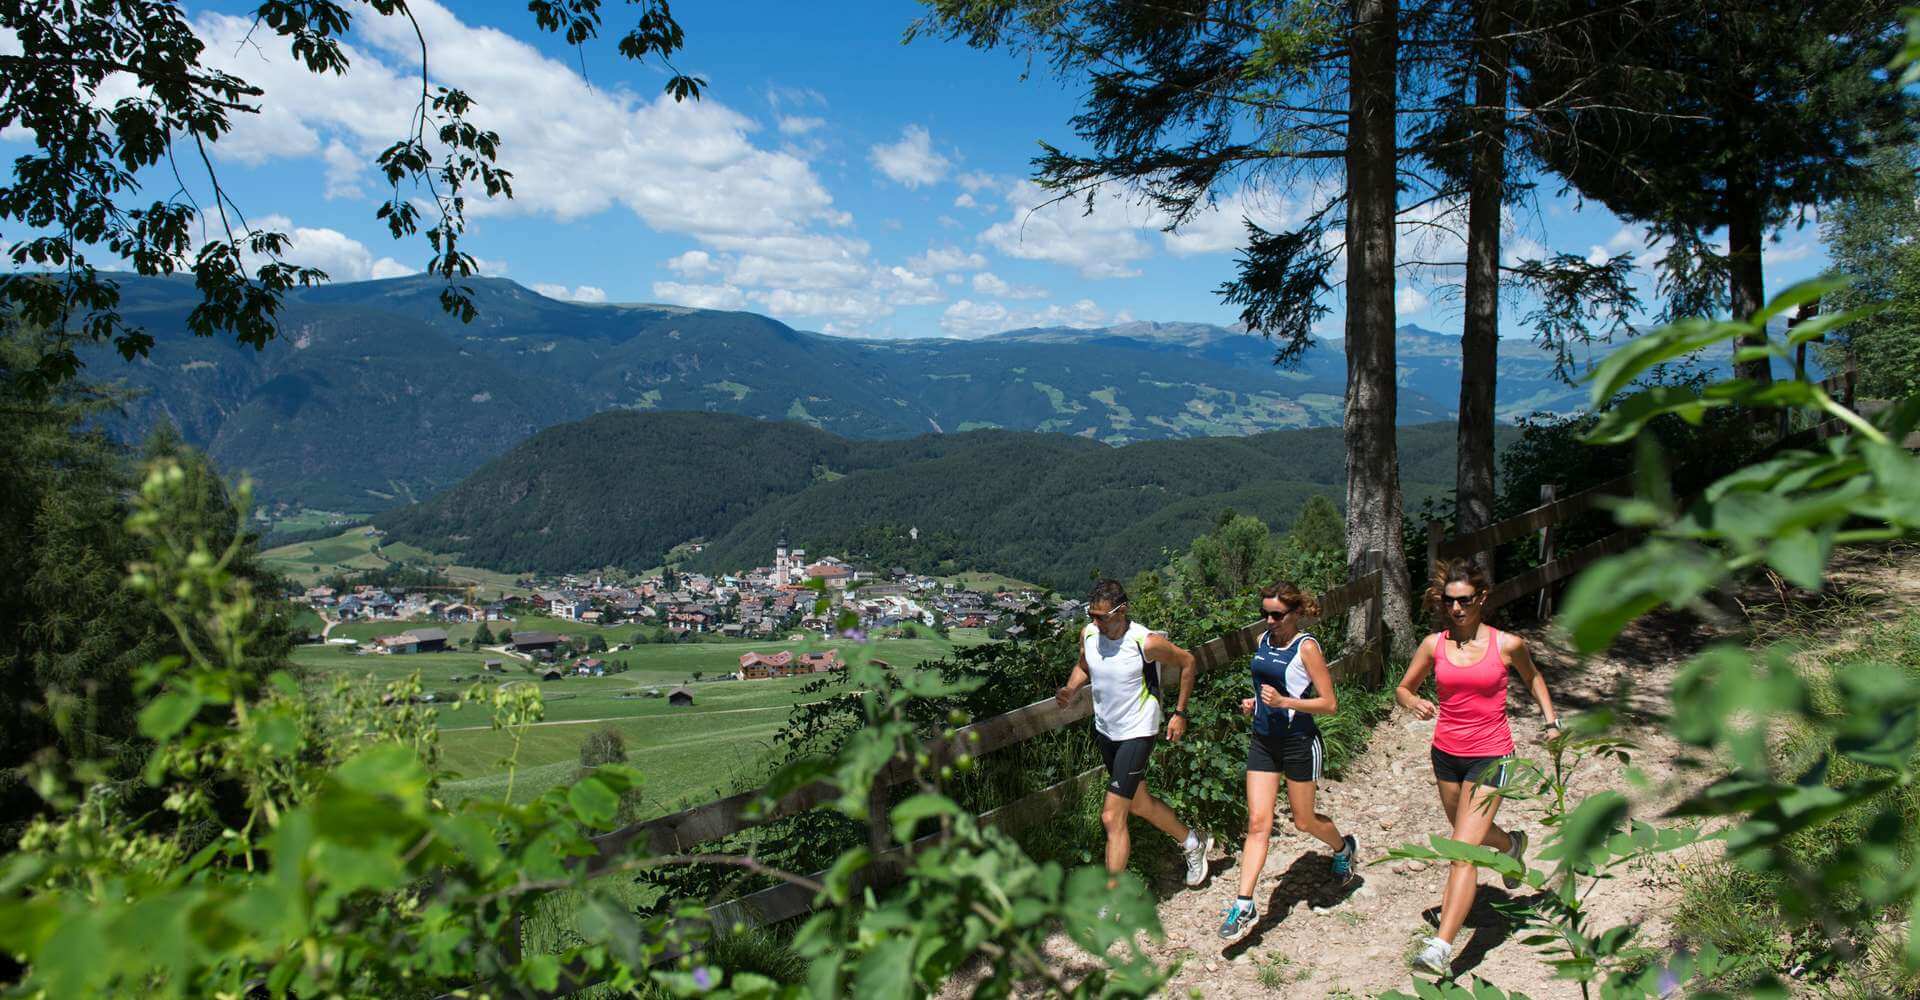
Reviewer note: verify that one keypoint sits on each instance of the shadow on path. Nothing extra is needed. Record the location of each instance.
(1310, 880)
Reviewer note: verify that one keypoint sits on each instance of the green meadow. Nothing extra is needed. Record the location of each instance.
(688, 754)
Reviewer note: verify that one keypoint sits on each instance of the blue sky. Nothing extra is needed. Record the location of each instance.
(832, 177)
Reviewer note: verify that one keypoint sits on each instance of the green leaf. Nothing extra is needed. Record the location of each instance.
(1611, 593)
(920, 807)
(169, 713)
(1580, 842)
(1881, 724)
(1799, 294)
(593, 801)
(887, 970)
(1632, 359)
(1801, 557)
(391, 770)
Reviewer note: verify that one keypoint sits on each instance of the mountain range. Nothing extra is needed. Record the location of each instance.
(372, 397)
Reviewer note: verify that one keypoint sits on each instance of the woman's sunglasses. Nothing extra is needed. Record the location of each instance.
(1274, 616)
(1449, 600)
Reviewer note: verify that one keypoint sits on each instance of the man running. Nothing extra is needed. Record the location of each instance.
(1120, 660)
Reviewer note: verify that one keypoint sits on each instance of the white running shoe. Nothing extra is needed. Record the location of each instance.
(1436, 956)
(1197, 858)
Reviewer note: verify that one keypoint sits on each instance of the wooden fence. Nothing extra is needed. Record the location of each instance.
(680, 833)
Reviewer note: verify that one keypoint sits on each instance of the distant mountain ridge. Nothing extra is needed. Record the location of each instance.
(622, 488)
(372, 396)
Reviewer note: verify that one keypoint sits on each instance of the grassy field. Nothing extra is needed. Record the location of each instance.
(688, 754)
(988, 583)
(306, 563)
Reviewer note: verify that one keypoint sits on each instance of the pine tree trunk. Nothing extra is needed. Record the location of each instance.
(1747, 286)
(1373, 467)
(1480, 332)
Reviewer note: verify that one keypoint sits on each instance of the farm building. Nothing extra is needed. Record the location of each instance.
(680, 697)
(531, 642)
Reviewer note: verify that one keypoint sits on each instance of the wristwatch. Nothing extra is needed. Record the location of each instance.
(1178, 713)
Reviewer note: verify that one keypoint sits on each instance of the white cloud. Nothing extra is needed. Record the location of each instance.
(575, 150)
(699, 296)
(1408, 300)
(967, 318)
(939, 260)
(988, 283)
(343, 171)
(976, 181)
(584, 293)
(1222, 227)
(341, 256)
(965, 201)
(693, 264)
(911, 161)
(795, 97)
(1790, 252)
(799, 124)
(1101, 244)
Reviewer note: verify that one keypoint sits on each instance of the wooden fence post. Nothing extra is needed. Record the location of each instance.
(1549, 492)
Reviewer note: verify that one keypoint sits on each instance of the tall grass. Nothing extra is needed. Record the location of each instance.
(1739, 911)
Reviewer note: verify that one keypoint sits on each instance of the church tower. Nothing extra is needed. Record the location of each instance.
(780, 567)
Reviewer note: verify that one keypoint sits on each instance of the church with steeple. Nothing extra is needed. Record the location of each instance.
(789, 565)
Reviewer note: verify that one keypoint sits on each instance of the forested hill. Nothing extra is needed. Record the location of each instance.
(371, 396)
(622, 488)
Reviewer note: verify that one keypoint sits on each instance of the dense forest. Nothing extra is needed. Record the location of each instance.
(620, 489)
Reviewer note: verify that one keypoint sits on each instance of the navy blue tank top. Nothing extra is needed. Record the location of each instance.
(1282, 667)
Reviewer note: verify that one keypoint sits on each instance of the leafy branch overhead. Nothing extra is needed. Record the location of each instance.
(83, 188)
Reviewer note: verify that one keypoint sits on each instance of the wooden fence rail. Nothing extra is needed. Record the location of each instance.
(679, 833)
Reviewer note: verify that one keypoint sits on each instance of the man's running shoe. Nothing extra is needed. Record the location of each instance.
(1240, 915)
(1517, 851)
(1343, 859)
(1436, 956)
(1197, 858)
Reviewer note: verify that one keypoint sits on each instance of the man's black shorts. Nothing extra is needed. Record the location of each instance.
(1488, 771)
(1296, 755)
(1126, 762)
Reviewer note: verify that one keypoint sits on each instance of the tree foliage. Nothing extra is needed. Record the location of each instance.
(1873, 235)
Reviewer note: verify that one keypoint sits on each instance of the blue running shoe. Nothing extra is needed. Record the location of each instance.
(1343, 859)
(1240, 915)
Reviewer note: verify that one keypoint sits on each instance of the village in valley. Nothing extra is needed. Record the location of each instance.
(772, 611)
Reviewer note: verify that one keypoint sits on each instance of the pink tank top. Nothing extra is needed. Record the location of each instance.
(1473, 702)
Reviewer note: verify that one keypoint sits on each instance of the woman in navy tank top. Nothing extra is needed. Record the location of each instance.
(1291, 685)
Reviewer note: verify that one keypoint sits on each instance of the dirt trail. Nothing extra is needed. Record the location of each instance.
(1316, 939)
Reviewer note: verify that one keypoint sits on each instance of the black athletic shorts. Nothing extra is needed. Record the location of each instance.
(1488, 771)
(1296, 755)
(1126, 762)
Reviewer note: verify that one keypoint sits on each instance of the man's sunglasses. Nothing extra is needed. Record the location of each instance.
(1449, 600)
(1101, 616)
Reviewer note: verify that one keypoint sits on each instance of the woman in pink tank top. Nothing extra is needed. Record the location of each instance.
(1472, 742)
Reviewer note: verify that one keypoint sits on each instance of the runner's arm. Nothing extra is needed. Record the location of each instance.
(1075, 681)
(1328, 702)
(1407, 694)
(1521, 659)
(1162, 650)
